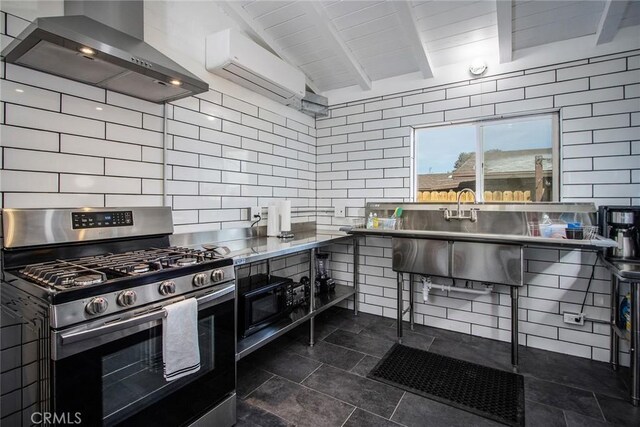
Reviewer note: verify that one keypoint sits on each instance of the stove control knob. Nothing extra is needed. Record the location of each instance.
(127, 298)
(217, 275)
(167, 287)
(97, 305)
(200, 279)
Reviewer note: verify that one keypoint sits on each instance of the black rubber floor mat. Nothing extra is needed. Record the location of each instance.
(488, 392)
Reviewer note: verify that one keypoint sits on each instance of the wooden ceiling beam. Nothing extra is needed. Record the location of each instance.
(412, 33)
(610, 20)
(319, 15)
(504, 11)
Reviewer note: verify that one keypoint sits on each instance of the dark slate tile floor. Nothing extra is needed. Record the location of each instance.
(288, 383)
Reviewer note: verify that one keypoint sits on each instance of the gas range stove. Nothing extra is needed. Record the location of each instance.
(93, 291)
(104, 267)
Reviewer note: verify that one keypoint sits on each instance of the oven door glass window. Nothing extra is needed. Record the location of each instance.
(133, 376)
(124, 380)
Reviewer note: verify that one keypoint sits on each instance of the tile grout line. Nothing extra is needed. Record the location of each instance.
(357, 363)
(319, 392)
(564, 410)
(318, 361)
(312, 372)
(274, 414)
(337, 345)
(388, 419)
(599, 407)
(355, 408)
(530, 375)
(358, 351)
(431, 344)
(283, 378)
(253, 391)
(396, 408)
(347, 348)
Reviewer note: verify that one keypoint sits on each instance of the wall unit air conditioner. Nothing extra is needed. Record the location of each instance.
(235, 57)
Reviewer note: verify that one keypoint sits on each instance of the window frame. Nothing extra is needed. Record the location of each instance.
(478, 124)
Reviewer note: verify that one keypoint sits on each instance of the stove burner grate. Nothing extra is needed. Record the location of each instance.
(65, 274)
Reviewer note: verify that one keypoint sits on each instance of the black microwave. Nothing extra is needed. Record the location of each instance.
(262, 300)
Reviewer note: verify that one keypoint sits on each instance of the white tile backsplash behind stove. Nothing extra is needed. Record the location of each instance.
(66, 144)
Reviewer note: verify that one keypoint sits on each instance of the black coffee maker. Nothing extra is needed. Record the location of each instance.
(324, 282)
(622, 224)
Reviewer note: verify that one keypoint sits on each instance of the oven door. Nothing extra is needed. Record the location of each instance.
(263, 307)
(119, 378)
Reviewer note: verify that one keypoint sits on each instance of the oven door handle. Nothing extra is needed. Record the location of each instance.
(73, 337)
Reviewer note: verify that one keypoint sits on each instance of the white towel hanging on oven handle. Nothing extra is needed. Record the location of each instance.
(180, 349)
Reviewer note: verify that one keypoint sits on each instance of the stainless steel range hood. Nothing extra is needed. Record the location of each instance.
(81, 48)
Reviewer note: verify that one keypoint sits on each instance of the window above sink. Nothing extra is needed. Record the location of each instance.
(502, 160)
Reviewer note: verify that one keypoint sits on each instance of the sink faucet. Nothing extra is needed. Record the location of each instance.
(459, 214)
(465, 190)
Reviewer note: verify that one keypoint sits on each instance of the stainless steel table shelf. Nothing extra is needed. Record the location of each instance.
(629, 272)
(261, 249)
(253, 342)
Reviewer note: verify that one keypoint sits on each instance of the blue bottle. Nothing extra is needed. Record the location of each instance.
(625, 313)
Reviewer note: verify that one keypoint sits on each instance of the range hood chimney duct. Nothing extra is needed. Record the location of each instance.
(101, 43)
(126, 16)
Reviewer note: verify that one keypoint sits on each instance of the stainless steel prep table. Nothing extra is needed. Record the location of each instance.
(246, 248)
(624, 271)
(257, 249)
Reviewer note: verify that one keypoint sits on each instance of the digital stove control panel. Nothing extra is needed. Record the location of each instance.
(82, 220)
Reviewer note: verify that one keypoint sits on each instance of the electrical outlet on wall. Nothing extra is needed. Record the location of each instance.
(573, 318)
(254, 212)
(340, 209)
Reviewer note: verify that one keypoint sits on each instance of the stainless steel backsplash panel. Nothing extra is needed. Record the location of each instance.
(493, 218)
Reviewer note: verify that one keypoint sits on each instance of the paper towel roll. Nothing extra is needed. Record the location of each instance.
(273, 220)
(285, 215)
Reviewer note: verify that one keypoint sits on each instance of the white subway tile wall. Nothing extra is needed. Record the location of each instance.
(600, 162)
(67, 144)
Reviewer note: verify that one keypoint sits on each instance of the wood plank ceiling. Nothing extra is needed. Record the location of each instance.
(345, 43)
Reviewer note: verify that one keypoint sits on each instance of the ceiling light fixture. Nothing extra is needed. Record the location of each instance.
(87, 50)
(211, 118)
(20, 90)
(175, 82)
(99, 108)
(478, 67)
